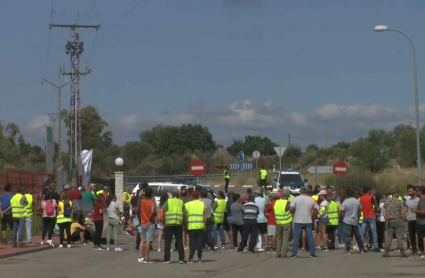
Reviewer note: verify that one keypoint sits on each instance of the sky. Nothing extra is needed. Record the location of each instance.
(239, 67)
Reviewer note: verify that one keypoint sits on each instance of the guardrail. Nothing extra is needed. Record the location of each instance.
(185, 179)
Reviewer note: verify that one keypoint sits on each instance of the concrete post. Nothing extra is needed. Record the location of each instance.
(119, 188)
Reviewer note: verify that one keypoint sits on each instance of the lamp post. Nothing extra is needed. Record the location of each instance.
(119, 183)
(381, 28)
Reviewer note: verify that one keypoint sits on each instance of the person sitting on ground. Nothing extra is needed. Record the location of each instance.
(77, 231)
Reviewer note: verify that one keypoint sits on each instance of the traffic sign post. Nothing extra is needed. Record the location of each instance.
(340, 169)
(256, 154)
(241, 157)
(197, 168)
(280, 151)
(320, 170)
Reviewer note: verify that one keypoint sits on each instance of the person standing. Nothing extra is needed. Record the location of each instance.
(250, 226)
(6, 212)
(261, 221)
(28, 218)
(208, 231)
(304, 209)
(219, 208)
(380, 224)
(98, 209)
(228, 214)
(420, 216)
(148, 213)
(17, 205)
(114, 216)
(411, 219)
(369, 208)
(64, 219)
(174, 210)
(350, 212)
(271, 219)
(226, 179)
(196, 221)
(395, 217)
(126, 199)
(323, 219)
(333, 214)
(263, 177)
(88, 196)
(236, 219)
(48, 206)
(283, 216)
(74, 194)
(160, 219)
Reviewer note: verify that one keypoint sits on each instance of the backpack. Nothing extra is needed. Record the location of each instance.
(50, 210)
(67, 210)
(160, 216)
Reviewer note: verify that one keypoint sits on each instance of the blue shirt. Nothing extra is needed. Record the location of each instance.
(261, 203)
(5, 202)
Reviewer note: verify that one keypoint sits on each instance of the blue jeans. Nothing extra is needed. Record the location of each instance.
(218, 227)
(18, 228)
(341, 236)
(369, 223)
(308, 228)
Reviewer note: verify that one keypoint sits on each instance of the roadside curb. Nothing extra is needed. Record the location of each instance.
(28, 250)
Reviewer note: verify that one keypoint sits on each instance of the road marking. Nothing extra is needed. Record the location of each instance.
(231, 185)
(216, 185)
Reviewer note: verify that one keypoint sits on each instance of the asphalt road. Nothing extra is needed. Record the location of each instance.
(83, 261)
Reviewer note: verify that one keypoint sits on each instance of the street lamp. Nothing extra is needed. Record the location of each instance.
(119, 183)
(381, 28)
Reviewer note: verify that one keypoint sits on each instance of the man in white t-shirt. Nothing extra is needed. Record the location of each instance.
(302, 207)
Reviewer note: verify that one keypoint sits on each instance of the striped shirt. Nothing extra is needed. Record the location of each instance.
(250, 211)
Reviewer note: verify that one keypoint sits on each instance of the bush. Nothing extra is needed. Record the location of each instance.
(352, 179)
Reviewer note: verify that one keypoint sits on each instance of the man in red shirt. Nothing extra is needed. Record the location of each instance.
(244, 199)
(369, 207)
(74, 194)
(271, 219)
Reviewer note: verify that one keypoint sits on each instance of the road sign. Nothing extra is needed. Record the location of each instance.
(197, 168)
(234, 166)
(241, 157)
(320, 169)
(340, 169)
(279, 150)
(247, 166)
(256, 154)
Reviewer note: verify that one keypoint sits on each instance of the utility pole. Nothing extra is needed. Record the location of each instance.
(59, 116)
(52, 118)
(75, 48)
(289, 139)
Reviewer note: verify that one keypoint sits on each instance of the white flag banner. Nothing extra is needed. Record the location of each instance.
(86, 160)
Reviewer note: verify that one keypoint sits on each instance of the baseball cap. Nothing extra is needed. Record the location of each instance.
(190, 186)
(322, 192)
(257, 191)
(92, 184)
(66, 186)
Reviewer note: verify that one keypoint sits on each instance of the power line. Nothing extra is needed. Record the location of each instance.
(94, 2)
(135, 7)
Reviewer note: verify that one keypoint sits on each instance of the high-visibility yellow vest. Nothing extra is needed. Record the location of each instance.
(18, 210)
(282, 217)
(174, 214)
(61, 218)
(399, 198)
(195, 215)
(124, 198)
(315, 197)
(218, 216)
(333, 214)
(226, 175)
(291, 198)
(28, 208)
(361, 214)
(263, 174)
(86, 219)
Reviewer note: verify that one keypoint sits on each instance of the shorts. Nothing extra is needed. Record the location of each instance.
(271, 230)
(262, 228)
(148, 233)
(7, 220)
(324, 221)
(420, 230)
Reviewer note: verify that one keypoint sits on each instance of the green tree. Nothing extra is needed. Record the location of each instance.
(293, 151)
(252, 143)
(167, 140)
(24, 147)
(405, 137)
(133, 153)
(311, 148)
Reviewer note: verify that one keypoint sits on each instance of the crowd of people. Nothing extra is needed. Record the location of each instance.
(359, 218)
